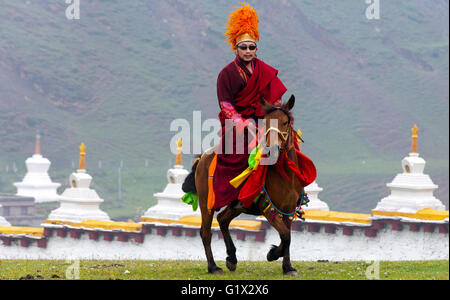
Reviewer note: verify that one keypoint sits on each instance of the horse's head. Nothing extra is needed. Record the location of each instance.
(279, 121)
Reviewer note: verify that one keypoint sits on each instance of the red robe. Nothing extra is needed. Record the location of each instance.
(238, 92)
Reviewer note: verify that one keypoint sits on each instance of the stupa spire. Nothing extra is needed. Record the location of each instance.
(414, 137)
(82, 165)
(37, 148)
(179, 160)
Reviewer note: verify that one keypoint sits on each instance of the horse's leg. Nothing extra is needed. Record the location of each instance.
(205, 233)
(287, 267)
(283, 249)
(201, 183)
(224, 219)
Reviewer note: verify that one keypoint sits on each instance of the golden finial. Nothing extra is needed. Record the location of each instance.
(82, 155)
(178, 160)
(414, 131)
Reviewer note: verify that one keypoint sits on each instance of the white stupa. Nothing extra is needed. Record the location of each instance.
(411, 190)
(3, 222)
(315, 203)
(37, 182)
(169, 205)
(79, 202)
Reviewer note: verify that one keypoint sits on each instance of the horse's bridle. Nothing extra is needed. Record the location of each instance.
(284, 135)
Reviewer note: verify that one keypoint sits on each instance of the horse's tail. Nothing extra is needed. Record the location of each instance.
(189, 183)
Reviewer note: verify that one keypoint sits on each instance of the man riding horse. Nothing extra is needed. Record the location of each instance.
(240, 85)
(249, 90)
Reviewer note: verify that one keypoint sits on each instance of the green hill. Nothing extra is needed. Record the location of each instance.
(118, 76)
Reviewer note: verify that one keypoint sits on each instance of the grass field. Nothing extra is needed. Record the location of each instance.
(196, 270)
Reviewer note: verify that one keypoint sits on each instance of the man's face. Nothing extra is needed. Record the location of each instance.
(244, 53)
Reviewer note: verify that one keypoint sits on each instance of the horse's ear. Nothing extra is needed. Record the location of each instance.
(290, 103)
(265, 106)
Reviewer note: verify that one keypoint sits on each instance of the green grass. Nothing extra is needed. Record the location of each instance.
(196, 270)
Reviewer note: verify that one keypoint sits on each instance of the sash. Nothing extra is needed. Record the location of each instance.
(263, 82)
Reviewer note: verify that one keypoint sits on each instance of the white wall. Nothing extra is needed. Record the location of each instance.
(305, 246)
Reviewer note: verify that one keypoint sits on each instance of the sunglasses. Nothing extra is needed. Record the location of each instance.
(244, 47)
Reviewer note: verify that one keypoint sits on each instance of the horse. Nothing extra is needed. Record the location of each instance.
(284, 194)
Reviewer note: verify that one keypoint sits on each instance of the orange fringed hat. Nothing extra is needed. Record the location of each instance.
(242, 26)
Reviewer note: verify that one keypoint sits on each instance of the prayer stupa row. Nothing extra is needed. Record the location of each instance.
(411, 191)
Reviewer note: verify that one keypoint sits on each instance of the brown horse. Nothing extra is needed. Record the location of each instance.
(283, 194)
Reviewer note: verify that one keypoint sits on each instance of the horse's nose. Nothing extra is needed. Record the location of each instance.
(271, 155)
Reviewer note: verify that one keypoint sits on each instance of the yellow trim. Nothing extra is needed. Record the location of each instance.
(334, 216)
(154, 220)
(30, 231)
(265, 209)
(94, 224)
(424, 214)
(56, 222)
(197, 222)
(245, 38)
(112, 225)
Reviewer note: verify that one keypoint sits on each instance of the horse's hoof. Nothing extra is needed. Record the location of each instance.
(231, 266)
(291, 273)
(271, 256)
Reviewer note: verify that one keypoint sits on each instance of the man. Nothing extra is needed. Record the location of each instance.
(239, 87)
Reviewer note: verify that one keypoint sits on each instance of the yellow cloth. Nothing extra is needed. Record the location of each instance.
(238, 180)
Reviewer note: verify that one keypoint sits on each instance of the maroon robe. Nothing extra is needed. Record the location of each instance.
(238, 92)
